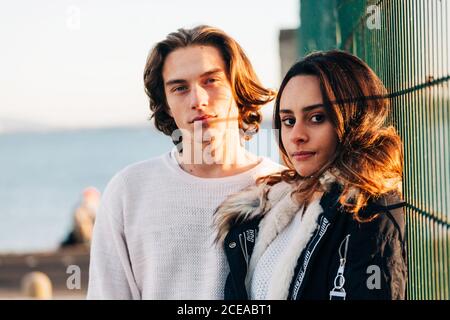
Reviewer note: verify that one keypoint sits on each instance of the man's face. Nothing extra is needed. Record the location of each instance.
(198, 92)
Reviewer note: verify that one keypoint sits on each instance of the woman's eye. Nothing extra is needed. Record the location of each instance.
(288, 122)
(318, 118)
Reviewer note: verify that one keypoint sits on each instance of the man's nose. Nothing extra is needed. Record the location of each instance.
(299, 134)
(199, 97)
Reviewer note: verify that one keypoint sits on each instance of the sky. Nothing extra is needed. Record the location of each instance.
(78, 63)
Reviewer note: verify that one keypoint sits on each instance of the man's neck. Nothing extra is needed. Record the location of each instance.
(212, 161)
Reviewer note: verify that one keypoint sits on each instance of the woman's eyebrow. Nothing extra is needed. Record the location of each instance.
(312, 107)
(304, 110)
(286, 111)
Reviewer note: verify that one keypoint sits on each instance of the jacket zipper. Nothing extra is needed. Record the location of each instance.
(338, 292)
(323, 226)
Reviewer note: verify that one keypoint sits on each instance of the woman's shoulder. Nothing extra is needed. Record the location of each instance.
(278, 191)
(249, 204)
(386, 214)
(254, 199)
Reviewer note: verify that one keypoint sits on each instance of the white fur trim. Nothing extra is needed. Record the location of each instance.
(271, 225)
(247, 203)
(284, 271)
(279, 191)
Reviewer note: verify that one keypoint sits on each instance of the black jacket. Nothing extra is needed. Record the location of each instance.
(375, 265)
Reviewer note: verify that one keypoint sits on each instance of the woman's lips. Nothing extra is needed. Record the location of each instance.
(302, 156)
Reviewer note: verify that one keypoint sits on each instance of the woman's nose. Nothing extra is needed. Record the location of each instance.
(299, 134)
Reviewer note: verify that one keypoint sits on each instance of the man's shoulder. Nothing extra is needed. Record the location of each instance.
(269, 162)
(144, 166)
(139, 170)
(268, 166)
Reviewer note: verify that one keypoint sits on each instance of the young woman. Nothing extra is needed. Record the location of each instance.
(332, 225)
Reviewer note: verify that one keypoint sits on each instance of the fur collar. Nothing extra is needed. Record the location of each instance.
(272, 224)
(256, 200)
(280, 215)
(278, 207)
(247, 204)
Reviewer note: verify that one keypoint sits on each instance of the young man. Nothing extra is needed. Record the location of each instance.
(153, 236)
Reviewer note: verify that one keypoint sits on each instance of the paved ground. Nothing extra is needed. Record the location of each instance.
(54, 264)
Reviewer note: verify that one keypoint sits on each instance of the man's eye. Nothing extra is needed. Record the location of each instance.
(288, 122)
(179, 89)
(211, 80)
(318, 118)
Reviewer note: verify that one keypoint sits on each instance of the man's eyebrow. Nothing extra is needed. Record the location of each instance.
(304, 110)
(175, 81)
(204, 74)
(213, 71)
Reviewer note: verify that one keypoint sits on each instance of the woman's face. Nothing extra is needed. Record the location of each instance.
(307, 133)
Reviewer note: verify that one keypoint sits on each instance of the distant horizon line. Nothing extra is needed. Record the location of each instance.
(51, 129)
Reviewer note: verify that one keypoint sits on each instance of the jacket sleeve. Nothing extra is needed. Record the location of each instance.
(376, 266)
(110, 271)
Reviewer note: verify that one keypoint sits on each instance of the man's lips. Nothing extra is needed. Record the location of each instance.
(303, 155)
(203, 118)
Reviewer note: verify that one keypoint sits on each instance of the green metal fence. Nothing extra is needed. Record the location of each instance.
(407, 43)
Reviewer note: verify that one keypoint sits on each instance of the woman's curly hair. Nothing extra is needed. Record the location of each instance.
(368, 162)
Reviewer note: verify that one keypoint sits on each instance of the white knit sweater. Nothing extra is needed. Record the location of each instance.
(153, 235)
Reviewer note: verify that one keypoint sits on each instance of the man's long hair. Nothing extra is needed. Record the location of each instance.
(247, 90)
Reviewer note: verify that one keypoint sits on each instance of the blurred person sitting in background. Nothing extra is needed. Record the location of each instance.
(84, 217)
